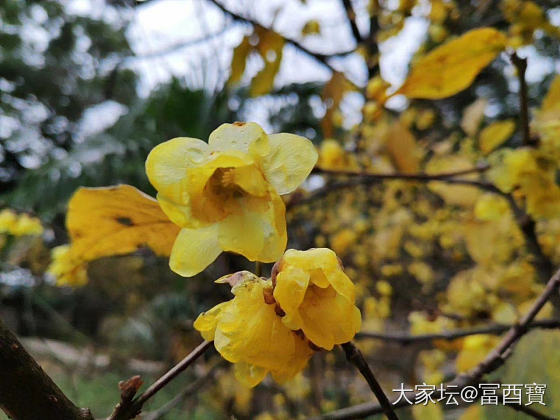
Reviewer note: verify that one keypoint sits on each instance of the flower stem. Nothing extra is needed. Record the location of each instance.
(258, 268)
(355, 356)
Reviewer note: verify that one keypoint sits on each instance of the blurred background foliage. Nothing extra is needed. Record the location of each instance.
(71, 115)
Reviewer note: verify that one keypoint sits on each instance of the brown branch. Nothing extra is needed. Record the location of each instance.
(493, 360)
(362, 178)
(405, 338)
(181, 396)
(351, 15)
(371, 41)
(26, 391)
(426, 177)
(130, 407)
(355, 356)
(322, 58)
(531, 412)
(521, 66)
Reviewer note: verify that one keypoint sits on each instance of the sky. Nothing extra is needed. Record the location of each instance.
(166, 38)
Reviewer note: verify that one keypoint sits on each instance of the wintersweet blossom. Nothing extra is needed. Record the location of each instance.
(67, 268)
(316, 296)
(247, 331)
(225, 194)
(274, 325)
(19, 224)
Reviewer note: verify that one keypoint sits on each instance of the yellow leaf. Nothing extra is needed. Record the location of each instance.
(270, 48)
(263, 82)
(333, 93)
(117, 220)
(452, 67)
(455, 195)
(473, 115)
(239, 60)
(268, 41)
(551, 101)
(403, 149)
(495, 134)
(311, 27)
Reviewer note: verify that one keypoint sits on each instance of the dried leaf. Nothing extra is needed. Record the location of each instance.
(403, 149)
(453, 66)
(495, 134)
(117, 220)
(239, 60)
(473, 115)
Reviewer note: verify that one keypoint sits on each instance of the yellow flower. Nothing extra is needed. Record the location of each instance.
(315, 296)
(67, 269)
(19, 225)
(247, 331)
(224, 194)
(27, 225)
(333, 156)
(8, 220)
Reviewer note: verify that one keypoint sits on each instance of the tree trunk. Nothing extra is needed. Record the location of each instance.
(26, 391)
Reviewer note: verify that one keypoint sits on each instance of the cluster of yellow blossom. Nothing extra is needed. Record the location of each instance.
(67, 268)
(15, 224)
(274, 325)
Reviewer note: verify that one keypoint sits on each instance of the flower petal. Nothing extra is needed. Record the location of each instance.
(257, 235)
(289, 162)
(207, 321)
(167, 164)
(250, 332)
(291, 285)
(246, 137)
(194, 250)
(328, 319)
(249, 375)
(180, 214)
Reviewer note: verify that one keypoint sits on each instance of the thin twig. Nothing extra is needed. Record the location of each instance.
(130, 407)
(362, 178)
(406, 338)
(371, 41)
(493, 360)
(355, 356)
(351, 15)
(531, 412)
(185, 393)
(521, 67)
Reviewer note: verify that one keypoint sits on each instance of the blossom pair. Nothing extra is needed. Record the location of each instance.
(274, 325)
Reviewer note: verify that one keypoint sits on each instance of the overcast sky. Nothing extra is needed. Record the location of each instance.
(159, 26)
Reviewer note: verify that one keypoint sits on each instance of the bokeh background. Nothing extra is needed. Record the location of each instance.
(88, 87)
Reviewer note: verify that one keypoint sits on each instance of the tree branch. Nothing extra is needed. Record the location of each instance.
(405, 338)
(351, 15)
(371, 41)
(130, 407)
(362, 178)
(493, 360)
(355, 356)
(185, 393)
(521, 66)
(26, 391)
